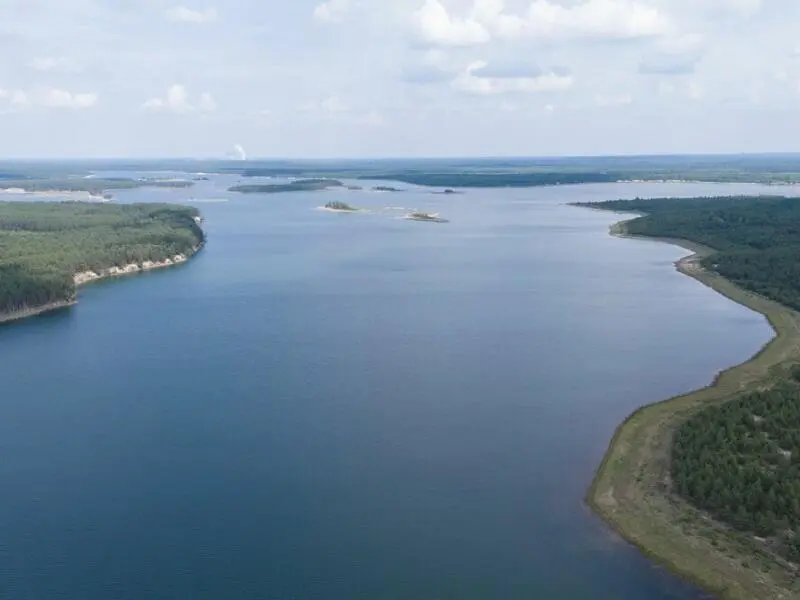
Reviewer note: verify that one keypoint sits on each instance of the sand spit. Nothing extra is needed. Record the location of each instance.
(75, 196)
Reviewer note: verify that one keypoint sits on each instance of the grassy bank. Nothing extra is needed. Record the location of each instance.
(632, 490)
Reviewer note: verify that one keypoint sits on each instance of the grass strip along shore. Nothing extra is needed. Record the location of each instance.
(756, 244)
(47, 249)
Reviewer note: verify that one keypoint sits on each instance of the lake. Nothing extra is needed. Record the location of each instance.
(352, 406)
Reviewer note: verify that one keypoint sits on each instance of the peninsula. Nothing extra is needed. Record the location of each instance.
(708, 483)
(96, 187)
(51, 248)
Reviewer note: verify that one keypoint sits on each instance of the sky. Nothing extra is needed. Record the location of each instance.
(391, 78)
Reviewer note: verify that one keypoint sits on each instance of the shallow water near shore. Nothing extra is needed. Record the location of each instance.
(353, 406)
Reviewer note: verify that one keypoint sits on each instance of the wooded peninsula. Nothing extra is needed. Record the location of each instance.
(709, 482)
(45, 245)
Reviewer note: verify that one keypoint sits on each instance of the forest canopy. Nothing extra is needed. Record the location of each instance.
(757, 238)
(43, 244)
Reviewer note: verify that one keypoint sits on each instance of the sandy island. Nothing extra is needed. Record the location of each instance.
(631, 489)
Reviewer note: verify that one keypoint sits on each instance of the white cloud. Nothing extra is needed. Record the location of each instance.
(612, 19)
(182, 14)
(436, 26)
(543, 20)
(49, 98)
(56, 98)
(332, 10)
(472, 83)
(177, 101)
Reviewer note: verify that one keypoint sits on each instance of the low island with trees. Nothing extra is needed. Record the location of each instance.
(708, 483)
(299, 185)
(427, 217)
(338, 206)
(49, 248)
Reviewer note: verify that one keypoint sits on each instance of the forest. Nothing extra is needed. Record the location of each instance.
(740, 460)
(43, 244)
(757, 238)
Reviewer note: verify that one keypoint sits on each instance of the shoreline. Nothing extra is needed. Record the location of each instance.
(87, 277)
(631, 487)
(25, 313)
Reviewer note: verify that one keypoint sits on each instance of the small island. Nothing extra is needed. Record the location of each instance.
(428, 217)
(50, 248)
(385, 188)
(337, 206)
(448, 191)
(299, 185)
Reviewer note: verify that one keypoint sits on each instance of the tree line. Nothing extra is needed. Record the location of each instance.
(43, 244)
(757, 238)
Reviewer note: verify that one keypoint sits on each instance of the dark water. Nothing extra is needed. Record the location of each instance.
(345, 407)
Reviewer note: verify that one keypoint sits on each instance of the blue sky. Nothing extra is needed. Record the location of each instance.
(345, 78)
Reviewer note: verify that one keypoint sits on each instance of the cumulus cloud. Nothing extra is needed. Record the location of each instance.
(544, 20)
(182, 14)
(611, 19)
(49, 98)
(436, 26)
(472, 82)
(56, 98)
(177, 101)
(332, 10)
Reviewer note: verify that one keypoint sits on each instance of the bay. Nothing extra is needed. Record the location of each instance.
(352, 406)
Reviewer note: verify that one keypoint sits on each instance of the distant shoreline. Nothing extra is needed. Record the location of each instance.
(630, 490)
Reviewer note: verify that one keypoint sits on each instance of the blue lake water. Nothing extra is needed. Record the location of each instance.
(352, 406)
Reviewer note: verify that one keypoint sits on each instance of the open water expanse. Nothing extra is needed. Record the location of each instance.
(327, 406)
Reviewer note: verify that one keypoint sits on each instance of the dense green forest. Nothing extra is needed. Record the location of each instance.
(757, 238)
(741, 462)
(43, 244)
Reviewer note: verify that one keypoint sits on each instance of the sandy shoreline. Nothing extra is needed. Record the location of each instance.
(631, 490)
